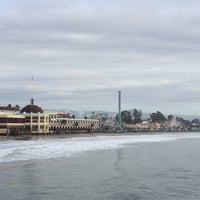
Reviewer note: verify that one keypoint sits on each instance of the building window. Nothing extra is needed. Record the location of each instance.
(34, 128)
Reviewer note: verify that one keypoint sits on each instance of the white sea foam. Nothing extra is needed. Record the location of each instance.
(55, 148)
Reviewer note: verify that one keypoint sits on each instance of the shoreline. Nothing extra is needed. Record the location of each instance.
(63, 136)
(75, 135)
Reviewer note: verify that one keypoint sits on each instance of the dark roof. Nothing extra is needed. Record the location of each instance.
(32, 108)
(9, 108)
(63, 115)
(195, 123)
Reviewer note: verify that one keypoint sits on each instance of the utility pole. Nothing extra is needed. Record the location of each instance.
(119, 108)
(32, 87)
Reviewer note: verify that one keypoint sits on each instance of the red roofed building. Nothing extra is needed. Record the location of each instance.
(11, 121)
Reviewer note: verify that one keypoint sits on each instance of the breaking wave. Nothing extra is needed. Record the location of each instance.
(54, 148)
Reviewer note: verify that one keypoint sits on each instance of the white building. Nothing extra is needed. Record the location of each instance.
(61, 123)
(174, 123)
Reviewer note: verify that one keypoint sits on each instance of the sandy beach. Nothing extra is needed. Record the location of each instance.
(74, 135)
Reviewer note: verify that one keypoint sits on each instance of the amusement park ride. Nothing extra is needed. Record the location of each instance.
(110, 123)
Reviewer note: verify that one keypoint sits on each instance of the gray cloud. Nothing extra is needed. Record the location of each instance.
(82, 52)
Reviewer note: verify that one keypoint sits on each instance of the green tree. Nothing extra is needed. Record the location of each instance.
(63, 121)
(186, 122)
(157, 117)
(169, 117)
(17, 106)
(76, 124)
(137, 114)
(125, 117)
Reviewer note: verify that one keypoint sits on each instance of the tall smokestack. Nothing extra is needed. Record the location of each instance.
(119, 104)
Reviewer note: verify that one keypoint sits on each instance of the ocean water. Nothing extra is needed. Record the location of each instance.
(158, 166)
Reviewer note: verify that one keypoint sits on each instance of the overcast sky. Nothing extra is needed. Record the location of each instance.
(81, 52)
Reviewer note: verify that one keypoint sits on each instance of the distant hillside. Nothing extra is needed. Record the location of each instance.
(83, 113)
(188, 117)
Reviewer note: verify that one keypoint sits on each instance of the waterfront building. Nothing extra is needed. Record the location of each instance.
(64, 123)
(195, 125)
(9, 109)
(155, 126)
(144, 126)
(11, 123)
(33, 120)
(36, 120)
